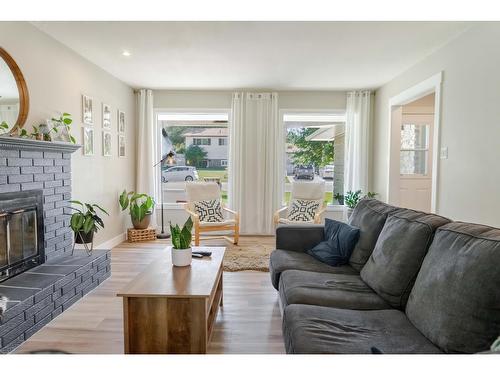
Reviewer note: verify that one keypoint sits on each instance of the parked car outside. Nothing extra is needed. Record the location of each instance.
(181, 173)
(304, 171)
(327, 172)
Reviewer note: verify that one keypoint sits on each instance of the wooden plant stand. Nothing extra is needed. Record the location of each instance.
(139, 235)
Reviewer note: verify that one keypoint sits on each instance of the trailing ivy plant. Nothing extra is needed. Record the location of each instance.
(181, 238)
(64, 120)
(139, 204)
(85, 219)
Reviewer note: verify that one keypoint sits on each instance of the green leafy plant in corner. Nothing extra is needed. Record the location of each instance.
(351, 198)
(181, 238)
(64, 120)
(139, 204)
(371, 194)
(86, 219)
(3, 127)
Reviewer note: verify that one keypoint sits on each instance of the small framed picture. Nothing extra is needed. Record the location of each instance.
(106, 116)
(121, 121)
(88, 141)
(121, 145)
(106, 143)
(87, 110)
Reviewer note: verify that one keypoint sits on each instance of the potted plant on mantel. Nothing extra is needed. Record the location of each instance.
(141, 208)
(181, 243)
(85, 222)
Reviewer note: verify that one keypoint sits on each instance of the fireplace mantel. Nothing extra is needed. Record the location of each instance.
(17, 143)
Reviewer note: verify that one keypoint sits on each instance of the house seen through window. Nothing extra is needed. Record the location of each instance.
(315, 152)
(201, 147)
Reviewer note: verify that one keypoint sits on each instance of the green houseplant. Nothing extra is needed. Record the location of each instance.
(140, 207)
(65, 122)
(181, 243)
(85, 222)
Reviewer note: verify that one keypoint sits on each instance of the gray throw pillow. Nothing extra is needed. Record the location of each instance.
(398, 254)
(369, 216)
(455, 302)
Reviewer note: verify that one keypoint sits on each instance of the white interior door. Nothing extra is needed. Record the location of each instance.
(415, 162)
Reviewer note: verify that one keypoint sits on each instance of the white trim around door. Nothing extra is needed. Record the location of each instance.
(429, 86)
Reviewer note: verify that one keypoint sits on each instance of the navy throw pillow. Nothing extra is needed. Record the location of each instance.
(340, 239)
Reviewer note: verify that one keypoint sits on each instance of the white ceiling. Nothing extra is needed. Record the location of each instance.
(277, 55)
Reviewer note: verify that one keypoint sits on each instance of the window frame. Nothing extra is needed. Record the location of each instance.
(157, 144)
(341, 113)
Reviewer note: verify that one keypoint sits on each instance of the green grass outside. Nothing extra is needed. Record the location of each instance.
(328, 197)
(222, 174)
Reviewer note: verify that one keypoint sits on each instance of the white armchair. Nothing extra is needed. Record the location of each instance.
(209, 191)
(306, 204)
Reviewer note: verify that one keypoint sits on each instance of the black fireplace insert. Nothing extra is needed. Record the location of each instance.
(21, 232)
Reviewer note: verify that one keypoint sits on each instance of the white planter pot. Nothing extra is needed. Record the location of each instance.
(181, 258)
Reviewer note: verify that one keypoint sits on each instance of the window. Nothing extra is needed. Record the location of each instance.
(222, 141)
(189, 136)
(414, 152)
(202, 141)
(315, 151)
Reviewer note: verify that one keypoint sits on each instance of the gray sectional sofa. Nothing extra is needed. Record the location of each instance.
(415, 283)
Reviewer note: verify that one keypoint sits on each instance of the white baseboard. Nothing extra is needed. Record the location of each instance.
(109, 244)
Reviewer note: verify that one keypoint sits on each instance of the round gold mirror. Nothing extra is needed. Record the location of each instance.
(14, 99)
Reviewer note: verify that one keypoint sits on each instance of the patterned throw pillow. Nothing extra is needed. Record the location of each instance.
(209, 211)
(302, 210)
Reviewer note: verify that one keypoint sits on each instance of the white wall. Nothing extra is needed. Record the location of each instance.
(56, 79)
(469, 179)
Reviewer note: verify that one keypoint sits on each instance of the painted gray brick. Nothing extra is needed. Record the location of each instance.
(67, 182)
(48, 206)
(8, 188)
(60, 301)
(11, 324)
(62, 176)
(53, 169)
(17, 331)
(46, 311)
(62, 162)
(17, 178)
(57, 311)
(10, 170)
(63, 244)
(71, 285)
(66, 168)
(53, 227)
(28, 313)
(43, 162)
(54, 212)
(27, 170)
(61, 204)
(3, 179)
(31, 331)
(3, 162)
(66, 279)
(44, 177)
(52, 155)
(63, 189)
(67, 195)
(49, 235)
(53, 198)
(48, 191)
(31, 185)
(9, 153)
(44, 293)
(32, 154)
(19, 162)
(71, 301)
(52, 184)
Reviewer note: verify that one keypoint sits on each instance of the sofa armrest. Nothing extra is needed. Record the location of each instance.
(298, 237)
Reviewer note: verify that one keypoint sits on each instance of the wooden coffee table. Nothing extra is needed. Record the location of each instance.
(169, 309)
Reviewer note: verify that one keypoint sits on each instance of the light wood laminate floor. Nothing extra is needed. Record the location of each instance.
(249, 321)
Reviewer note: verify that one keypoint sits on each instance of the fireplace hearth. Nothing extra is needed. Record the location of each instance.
(21, 232)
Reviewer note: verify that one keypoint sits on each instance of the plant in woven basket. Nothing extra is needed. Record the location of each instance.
(140, 207)
(181, 238)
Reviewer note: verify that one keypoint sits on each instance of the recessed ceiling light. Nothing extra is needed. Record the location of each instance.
(126, 53)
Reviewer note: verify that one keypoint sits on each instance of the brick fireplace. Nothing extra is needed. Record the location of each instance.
(36, 175)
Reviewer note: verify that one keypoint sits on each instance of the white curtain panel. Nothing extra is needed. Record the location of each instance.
(146, 156)
(357, 148)
(256, 160)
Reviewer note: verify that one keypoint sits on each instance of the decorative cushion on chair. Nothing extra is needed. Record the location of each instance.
(209, 211)
(302, 210)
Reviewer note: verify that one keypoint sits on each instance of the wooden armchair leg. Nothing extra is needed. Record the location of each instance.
(236, 234)
(196, 236)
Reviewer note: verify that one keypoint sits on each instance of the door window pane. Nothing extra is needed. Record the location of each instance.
(414, 149)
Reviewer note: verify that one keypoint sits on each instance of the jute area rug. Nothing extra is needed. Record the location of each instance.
(254, 257)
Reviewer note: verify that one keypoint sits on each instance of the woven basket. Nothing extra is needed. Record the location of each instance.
(139, 235)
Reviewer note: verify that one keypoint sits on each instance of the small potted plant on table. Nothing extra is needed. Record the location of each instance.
(84, 223)
(141, 208)
(181, 243)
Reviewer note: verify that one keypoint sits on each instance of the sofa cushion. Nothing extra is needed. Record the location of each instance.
(340, 239)
(398, 254)
(328, 289)
(311, 329)
(282, 260)
(455, 302)
(369, 216)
